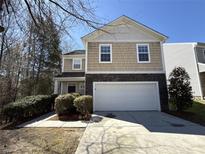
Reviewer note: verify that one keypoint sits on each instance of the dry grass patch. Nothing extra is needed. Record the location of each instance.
(40, 140)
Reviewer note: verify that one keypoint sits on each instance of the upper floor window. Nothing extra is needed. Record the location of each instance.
(105, 53)
(143, 54)
(77, 64)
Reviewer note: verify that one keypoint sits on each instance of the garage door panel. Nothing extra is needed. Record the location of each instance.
(125, 96)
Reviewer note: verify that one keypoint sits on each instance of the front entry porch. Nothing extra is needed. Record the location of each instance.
(65, 85)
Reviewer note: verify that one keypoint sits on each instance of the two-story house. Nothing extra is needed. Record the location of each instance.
(191, 56)
(122, 68)
(72, 78)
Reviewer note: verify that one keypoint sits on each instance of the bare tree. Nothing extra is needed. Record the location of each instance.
(76, 11)
(29, 54)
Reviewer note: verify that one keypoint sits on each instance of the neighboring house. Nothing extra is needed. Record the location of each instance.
(124, 68)
(191, 56)
(72, 78)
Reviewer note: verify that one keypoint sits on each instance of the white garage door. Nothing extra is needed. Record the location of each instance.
(125, 96)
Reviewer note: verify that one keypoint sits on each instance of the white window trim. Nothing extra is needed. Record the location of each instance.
(80, 64)
(100, 53)
(143, 62)
(63, 64)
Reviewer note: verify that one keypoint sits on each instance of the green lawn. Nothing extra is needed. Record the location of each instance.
(198, 108)
(195, 114)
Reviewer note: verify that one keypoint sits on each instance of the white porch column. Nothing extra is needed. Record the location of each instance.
(56, 87)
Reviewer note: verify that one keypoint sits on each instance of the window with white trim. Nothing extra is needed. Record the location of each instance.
(143, 53)
(105, 53)
(77, 64)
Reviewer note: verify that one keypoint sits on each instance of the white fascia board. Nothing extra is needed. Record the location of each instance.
(181, 43)
(74, 56)
(138, 41)
(69, 78)
(125, 72)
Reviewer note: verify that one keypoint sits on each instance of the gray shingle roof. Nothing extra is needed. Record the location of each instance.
(75, 52)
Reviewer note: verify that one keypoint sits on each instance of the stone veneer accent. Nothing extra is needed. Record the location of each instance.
(161, 78)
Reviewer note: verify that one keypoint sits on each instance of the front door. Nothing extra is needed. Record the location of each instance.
(71, 89)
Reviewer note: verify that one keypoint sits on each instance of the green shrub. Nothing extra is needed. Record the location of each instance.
(64, 104)
(27, 107)
(84, 104)
(76, 95)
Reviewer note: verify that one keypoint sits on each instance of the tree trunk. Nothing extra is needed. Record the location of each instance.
(2, 47)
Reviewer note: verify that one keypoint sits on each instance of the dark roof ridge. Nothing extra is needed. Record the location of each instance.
(81, 51)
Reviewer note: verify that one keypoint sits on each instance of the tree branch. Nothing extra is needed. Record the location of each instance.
(87, 21)
(30, 12)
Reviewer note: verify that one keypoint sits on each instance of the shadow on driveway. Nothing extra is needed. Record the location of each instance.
(152, 121)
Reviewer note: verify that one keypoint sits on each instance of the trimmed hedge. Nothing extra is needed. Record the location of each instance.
(84, 104)
(27, 107)
(64, 104)
(76, 95)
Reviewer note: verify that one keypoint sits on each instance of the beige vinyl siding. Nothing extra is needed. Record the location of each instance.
(68, 66)
(124, 57)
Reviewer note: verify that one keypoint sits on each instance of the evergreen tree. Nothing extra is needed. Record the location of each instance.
(44, 61)
(180, 91)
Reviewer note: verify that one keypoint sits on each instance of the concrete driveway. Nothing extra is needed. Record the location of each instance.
(141, 132)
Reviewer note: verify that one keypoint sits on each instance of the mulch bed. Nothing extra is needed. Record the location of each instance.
(71, 117)
(188, 116)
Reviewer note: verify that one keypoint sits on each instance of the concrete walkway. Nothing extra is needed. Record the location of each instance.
(43, 121)
(141, 132)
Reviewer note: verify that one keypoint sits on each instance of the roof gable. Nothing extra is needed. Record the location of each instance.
(122, 29)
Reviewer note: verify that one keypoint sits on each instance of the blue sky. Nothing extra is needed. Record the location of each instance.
(180, 20)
